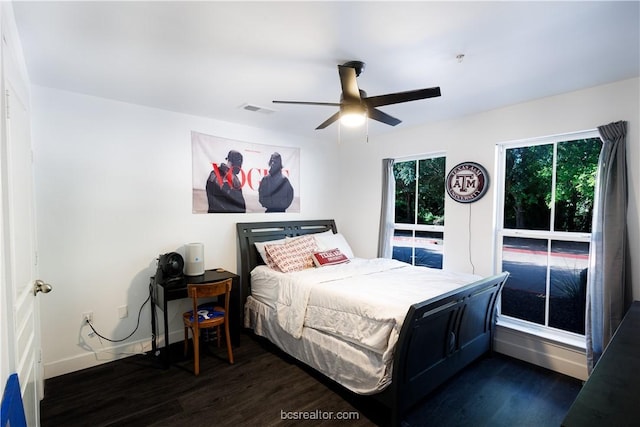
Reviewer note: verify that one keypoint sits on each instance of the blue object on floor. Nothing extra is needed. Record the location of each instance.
(12, 410)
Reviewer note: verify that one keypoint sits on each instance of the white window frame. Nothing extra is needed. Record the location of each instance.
(419, 227)
(544, 331)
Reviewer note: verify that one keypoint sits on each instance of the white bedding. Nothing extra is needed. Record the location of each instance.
(356, 368)
(363, 302)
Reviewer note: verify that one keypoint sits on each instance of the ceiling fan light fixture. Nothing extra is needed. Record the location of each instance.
(353, 115)
(356, 107)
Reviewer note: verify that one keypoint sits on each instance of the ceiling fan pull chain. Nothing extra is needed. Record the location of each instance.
(367, 130)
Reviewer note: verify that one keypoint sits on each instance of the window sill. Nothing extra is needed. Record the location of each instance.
(566, 339)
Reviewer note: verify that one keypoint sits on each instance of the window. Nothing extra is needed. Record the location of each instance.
(544, 230)
(419, 211)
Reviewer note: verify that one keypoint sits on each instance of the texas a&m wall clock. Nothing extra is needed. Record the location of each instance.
(467, 182)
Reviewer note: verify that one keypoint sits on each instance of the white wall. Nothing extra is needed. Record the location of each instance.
(113, 191)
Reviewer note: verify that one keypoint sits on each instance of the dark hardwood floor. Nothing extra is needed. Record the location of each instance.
(264, 386)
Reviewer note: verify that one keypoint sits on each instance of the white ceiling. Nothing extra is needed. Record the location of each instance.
(212, 58)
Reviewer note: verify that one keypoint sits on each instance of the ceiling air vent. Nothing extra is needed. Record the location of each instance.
(257, 109)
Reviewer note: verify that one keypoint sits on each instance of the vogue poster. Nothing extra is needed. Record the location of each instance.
(240, 177)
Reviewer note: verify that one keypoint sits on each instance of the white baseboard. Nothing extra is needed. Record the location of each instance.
(98, 355)
(520, 345)
(542, 352)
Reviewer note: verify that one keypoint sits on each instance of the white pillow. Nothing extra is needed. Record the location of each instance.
(328, 240)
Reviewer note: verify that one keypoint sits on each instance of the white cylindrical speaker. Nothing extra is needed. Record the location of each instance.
(194, 259)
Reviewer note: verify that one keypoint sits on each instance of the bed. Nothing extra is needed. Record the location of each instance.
(396, 346)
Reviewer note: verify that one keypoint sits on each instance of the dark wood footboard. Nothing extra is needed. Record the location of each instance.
(440, 337)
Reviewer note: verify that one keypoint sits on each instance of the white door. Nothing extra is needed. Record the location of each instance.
(19, 254)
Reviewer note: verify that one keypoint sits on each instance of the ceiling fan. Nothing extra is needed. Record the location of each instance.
(356, 106)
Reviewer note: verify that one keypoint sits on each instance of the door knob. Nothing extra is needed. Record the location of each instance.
(40, 286)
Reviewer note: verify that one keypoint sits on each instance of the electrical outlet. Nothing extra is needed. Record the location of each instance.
(87, 316)
(123, 311)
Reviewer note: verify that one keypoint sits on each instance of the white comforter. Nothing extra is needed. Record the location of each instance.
(364, 301)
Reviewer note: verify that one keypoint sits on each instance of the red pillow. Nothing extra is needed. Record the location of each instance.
(330, 257)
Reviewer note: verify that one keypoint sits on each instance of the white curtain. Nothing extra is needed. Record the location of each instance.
(387, 211)
(607, 292)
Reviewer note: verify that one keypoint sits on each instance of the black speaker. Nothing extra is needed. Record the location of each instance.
(170, 270)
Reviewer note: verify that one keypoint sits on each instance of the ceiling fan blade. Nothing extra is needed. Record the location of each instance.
(378, 115)
(350, 91)
(330, 120)
(332, 104)
(396, 98)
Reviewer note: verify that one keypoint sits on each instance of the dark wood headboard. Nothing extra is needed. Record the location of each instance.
(251, 232)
